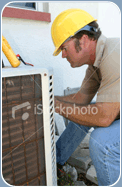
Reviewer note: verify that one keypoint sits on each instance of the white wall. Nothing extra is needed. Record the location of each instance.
(109, 19)
(32, 40)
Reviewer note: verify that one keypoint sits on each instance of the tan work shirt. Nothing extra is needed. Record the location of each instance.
(103, 77)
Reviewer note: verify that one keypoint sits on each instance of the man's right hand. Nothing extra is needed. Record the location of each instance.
(56, 104)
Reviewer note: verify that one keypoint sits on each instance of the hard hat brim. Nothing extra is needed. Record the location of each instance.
(57, 51)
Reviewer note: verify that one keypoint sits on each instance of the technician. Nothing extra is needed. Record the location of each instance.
(77, 35)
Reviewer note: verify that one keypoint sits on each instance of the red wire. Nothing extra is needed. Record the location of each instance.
(29, 64)
(23, 60)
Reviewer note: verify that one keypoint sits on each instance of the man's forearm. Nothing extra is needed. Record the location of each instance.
(67, 98)
(77, 98)
(99, 114)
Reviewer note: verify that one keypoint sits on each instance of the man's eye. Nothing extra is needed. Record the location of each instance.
(65, 48)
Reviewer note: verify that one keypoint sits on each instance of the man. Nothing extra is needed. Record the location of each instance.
(77, 35)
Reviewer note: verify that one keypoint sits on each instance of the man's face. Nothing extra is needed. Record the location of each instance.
(75, 58)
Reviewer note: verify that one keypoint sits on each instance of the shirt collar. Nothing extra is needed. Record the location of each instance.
(99, 50)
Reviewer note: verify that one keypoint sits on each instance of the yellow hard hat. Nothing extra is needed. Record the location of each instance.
(67, 24)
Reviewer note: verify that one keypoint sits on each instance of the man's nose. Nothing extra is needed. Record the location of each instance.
(64, 54)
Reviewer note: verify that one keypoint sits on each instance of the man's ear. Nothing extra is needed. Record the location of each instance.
(84, 41)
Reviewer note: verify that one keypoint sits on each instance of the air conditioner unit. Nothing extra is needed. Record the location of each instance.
(28, 130)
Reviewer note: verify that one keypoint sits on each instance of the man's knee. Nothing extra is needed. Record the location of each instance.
(103, 137)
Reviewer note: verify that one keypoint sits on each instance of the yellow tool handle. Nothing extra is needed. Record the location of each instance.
(9, 53)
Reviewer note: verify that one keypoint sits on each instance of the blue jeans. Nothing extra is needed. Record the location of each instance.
(104, 147)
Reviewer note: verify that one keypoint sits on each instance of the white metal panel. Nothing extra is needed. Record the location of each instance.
(48, 114)
(48, 117)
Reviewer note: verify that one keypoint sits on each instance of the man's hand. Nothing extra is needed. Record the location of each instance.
(56, 104)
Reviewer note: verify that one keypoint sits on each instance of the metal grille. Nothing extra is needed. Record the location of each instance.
(52, 131)
(23, 150)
